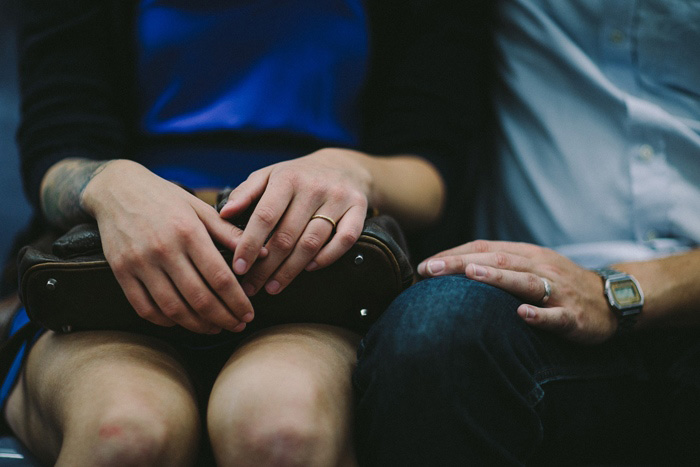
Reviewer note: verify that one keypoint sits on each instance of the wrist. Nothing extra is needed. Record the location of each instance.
(99, 185)
(624, 297)
(362, 168)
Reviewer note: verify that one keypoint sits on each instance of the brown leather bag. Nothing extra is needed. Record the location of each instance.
(72, 287)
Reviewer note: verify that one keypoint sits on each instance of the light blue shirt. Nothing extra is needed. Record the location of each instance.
(599, 112)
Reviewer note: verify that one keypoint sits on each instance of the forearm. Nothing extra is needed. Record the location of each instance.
(671, 292)
(62, 190)
(407, 187)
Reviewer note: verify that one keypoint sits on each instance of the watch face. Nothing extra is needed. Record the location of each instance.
(625, 293)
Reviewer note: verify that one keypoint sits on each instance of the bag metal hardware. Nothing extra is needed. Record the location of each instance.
(51, 285)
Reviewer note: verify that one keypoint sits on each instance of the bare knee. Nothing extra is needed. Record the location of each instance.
(271, 442)
(276, 431)
(285, 399)
(134, 436)
(126, 441)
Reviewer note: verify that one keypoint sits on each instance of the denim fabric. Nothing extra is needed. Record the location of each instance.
(451, 375)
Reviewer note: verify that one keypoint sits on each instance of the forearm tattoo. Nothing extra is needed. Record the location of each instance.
(63, 188)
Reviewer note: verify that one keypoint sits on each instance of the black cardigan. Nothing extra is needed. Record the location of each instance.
(77, 76)
(426, 94)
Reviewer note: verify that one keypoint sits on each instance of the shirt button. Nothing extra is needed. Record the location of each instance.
(646, 152)
(617, 36)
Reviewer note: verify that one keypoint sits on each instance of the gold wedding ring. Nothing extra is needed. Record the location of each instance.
(325, 218)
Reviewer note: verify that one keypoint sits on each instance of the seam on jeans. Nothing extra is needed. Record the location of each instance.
(558, 374)
(535, 395)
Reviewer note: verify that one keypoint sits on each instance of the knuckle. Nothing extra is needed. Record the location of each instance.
(553, 270)
(501, 260)
(533, 283)
(253, 176)
(480, 246)
(497, 274)
(248, 249)
(147, 312)
(311, 243)
(158, 250)
(347, 239)
(256, 276)
(266, 216)
(293, 177)
(202, 301)
(173, 309)
(233, 231)
(358, 199)
(285, 276)
(119, 264)
(282, 241)
(338, 193)
(287, 176)
(222, 279)
(316, 190)
(184, 231)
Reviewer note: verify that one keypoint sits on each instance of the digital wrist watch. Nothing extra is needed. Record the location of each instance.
(624, 295)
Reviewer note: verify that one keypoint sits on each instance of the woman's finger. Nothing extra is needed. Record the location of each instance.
(218, 277)
(283, 243)
(173, 306)
(318, 231)
(347, 233)
(219, 229)
(267, 214)
(200, 297)
(142, 302)
(245, 194)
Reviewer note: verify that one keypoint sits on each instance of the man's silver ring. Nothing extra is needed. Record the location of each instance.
(547, 290)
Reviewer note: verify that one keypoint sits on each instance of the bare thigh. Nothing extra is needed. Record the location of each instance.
(104, 398)
(285, 398)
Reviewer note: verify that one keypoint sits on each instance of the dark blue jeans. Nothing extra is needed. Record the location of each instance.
(450, 375)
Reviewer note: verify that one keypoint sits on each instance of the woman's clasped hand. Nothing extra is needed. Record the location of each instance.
(157, 237)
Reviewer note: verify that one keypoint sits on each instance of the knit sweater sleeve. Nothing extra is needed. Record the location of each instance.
(71, 99)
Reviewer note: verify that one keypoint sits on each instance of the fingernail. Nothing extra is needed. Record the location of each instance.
(239, 328)
(272, 287)
(421, 267)
(479, 271)
(529, 312)
(239, 267)
(248, 289)
(214, 330)
(313, 265)
(248, 318)
(435, 267)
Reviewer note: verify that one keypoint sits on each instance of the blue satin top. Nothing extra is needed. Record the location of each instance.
(255, 68)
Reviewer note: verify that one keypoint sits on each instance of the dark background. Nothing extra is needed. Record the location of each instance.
(14, 208)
